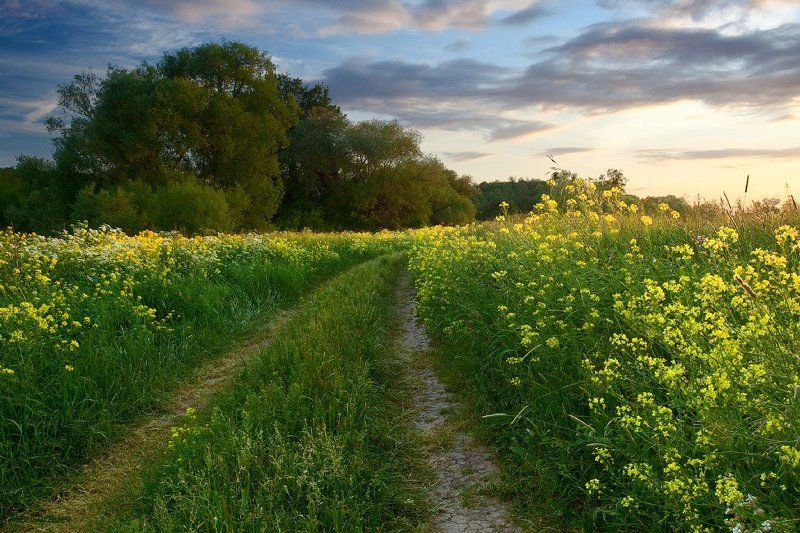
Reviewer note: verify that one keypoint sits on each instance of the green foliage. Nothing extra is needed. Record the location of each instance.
(613, 177)
(96, 326)
(145, 147)
(367, 175)
(190, 208)
(213, 112)
(307, 440)
(124, 206)
(651, 204)
(636, 372)
(520, 194)
(309, 97)
(409, 194)
(9, 194)
(38, 206)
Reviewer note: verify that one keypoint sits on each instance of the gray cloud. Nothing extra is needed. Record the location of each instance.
(358, 80)
(461, 157)
(564, 150)
(371, 16)
(524, 16)
(220, 13)
(696, 9)
(612, 67)
(724, 153)
(455, 118)
(225, 13)
(458, 46)
(378, 16)
(424, 96)
(518, 129)
(608, 67)
(537, 41)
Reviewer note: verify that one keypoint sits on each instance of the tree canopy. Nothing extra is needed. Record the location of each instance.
(520, 194)
(212, 138)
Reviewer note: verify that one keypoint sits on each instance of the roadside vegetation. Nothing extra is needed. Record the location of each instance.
(634, 370)
(97, 327)
(632, 366)
(308, 438)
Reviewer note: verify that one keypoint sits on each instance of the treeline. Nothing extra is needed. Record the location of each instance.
(520, 195)
(212, 138)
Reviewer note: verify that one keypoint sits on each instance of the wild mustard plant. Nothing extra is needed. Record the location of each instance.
(94, 323)
(641, 369)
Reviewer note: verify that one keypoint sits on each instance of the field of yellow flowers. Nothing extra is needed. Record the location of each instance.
(634, 371)
(96, 325)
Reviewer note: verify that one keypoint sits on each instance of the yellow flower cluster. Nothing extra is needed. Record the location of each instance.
(663, 348)
(54, 290)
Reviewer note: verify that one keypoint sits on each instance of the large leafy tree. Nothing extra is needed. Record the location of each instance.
(367, 175)
(213, 114)
(212, 138)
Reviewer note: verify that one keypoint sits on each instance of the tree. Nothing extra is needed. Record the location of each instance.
(212, 138)
(40, 205)
(9, 194)
(520, 194)
(415, 192)
(213, 113)
(613, 177)
(312, 165)
(366, 175)
(191, 208)
(376, 144)
(308, 97)
(651, 203)
(125, 206)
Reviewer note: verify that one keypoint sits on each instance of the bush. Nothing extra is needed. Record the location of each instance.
(123, 207)
(190, 208)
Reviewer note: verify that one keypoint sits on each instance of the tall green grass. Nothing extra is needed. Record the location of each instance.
(308, 439)
(633, 372)
(146, 310)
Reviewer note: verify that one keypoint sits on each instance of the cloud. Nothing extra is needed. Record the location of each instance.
(372, 16)
(226, 13)
(461, 157)
(700, 9)
(40, 110)
(524, 16)
(518, 129)
(606, 68)
(564, 150)
(438, 96)
(458, 46)
(724, 153)
(25, 115)
(358, 80)
(619, 66)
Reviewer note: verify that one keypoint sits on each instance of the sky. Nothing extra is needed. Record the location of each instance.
(687, 97)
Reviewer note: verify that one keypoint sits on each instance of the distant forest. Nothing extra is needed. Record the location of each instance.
(212, 138)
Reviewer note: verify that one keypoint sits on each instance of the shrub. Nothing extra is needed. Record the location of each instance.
(190, 208)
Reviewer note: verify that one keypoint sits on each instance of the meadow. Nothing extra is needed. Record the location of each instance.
(633, 371)
(96, 327)
(629, 370)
